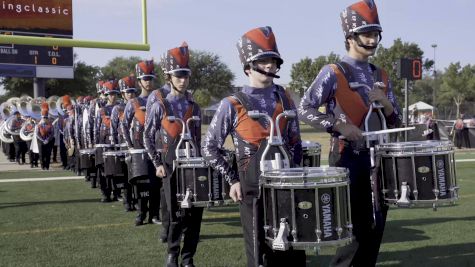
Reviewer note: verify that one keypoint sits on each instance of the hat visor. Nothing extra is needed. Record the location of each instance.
(147, 75)
(367, 28)
(268, 54)
(180, 72)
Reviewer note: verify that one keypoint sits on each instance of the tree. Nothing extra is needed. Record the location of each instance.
(304, 72)
(211, 79)
(120, 67)
(458, 85)
(82, 84)
(386, 59)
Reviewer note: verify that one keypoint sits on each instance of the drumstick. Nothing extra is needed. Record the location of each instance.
(394, 130)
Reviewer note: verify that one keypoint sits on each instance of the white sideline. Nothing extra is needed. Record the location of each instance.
(42, 179)
(82, 177)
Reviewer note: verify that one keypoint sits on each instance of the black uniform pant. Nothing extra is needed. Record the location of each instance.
(105, 182)
(11, 151)
(45, 153)
(33, 156)
(258, 251)
(180, 221)
(20, 150)
(63, 152)
(148, 198)
(368, 226)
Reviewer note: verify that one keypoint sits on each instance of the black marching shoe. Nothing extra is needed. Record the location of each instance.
(154, 220)
(172, 260)
(163, 237)
(138, 220)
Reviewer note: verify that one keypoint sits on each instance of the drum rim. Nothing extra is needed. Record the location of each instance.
(416, 146)
(137, 151)
(294, 175)
(84, 150)
(103, 145)
(115, 153)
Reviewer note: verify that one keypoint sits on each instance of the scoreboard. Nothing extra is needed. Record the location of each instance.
(44, 18)
(35, 55)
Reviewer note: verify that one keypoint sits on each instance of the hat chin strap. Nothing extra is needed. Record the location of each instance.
(368, 47)
(269, 74)
(174, 88)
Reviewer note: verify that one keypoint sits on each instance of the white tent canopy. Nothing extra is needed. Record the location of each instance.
(421, 106)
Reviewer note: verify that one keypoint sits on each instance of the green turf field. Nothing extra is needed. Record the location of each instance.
(62, 223)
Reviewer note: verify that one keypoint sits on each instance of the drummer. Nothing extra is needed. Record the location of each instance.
(147, 187)
(177, 103)
(346, 108)
(261, 61)
(128, 91)
(102, 135)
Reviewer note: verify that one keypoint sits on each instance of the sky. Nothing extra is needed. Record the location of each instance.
(303, 28)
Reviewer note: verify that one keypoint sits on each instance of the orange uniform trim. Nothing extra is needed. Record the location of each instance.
(251, 130)
(350, 101)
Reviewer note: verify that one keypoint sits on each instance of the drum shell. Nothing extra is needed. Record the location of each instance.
(195, 175)
(138, 164)
(114, 163)
(87, 158)
(425, 166)
(100, 149)
(318, 213)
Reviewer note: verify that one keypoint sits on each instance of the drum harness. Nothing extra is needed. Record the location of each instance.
(185, 154)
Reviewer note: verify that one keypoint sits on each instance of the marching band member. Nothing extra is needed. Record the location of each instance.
(69, 135)
(178, 103)
(93, 105)
(346, 107)
(45, 135)
(102, 135)
(20, 145)
(261, 61)
(128, 91)
(29, 125)
(147, 187)
(59, 132)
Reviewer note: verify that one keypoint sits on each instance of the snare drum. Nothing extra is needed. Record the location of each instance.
(114, 162)
(138, 161)
(418, 173)
(194, 182)
(306, 207)
(310, 154)
(87, 158)
(100, 149)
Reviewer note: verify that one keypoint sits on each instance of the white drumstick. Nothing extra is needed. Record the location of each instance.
(394, 130)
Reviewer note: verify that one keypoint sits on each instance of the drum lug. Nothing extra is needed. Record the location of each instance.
(434, 206)
(404, 200)
(185, 204)
(416, 193)
(281, 243)
(339, 231)
(318, 232)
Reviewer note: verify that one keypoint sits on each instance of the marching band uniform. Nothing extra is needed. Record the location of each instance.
(45, 135)
(102, 135)
(257, 50)
(20, 145)
(90, 127)
(126, 85)
(346, 108)
(69, 136)
(147, 187)
(163, 134)
(29, 128)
